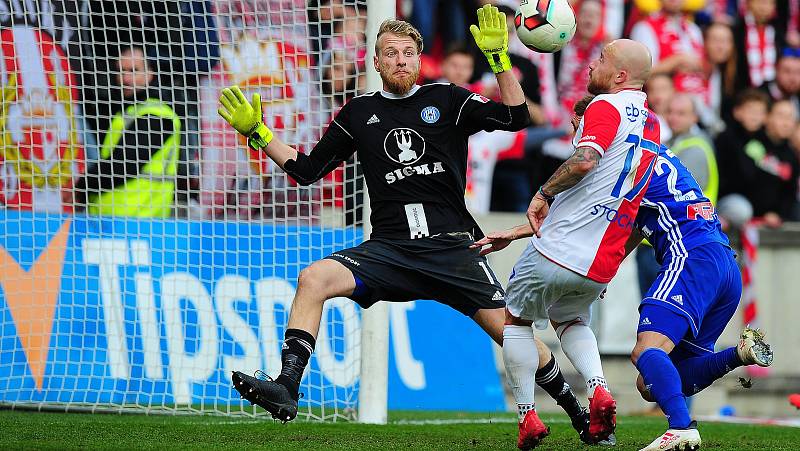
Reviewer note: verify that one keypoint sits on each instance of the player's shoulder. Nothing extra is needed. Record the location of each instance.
(366, 97)
(443, 91)
(621, 98)
(357, 104)
(603, 105)
(437, 86)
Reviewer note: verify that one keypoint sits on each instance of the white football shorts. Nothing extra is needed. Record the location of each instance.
(540, 290)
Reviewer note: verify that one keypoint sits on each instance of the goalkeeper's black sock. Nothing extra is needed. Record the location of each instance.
(549, 377)
(295, 353)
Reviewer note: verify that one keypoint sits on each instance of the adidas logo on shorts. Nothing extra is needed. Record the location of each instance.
(677, 298)
(373, 120)
(645, 322)
(498, 296)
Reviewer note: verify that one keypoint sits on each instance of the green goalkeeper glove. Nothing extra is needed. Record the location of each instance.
(491, 35)
(245, 117)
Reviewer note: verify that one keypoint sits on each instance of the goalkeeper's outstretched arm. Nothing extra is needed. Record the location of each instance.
(491, 36)
(305, 169)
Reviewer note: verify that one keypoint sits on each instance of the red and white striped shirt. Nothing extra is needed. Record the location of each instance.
(588, 224)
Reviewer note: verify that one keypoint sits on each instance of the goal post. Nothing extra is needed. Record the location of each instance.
(104, 308)
(373, 390)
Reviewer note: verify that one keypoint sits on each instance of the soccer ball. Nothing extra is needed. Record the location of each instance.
(545, 25)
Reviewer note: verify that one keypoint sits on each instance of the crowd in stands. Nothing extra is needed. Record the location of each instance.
(725, 84)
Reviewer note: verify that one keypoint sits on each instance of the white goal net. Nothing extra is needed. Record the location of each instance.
(145, 251)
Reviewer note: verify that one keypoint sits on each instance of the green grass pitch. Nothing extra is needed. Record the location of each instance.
(35, 430)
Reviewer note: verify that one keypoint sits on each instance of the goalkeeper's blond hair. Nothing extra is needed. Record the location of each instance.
(400, 28)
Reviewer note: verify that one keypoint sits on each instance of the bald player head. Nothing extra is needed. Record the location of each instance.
(623, 64)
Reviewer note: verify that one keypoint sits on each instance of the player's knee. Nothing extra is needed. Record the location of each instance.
(637, 352)
(312, 278)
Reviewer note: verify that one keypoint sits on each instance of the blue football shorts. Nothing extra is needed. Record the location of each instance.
(693, 298)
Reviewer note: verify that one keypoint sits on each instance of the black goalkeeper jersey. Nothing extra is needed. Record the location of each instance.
(413, 152)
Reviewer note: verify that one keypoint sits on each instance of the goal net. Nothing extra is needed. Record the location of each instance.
(145, 251)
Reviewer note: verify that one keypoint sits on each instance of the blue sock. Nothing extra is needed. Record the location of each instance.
(700, 372)
(664, 383)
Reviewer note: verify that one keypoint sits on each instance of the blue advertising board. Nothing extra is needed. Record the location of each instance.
(152, 312)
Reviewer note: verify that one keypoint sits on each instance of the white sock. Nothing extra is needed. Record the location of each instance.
(580, 345)
(521, 360)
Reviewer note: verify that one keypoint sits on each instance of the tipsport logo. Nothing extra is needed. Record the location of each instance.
(142, 299)
(143, 303)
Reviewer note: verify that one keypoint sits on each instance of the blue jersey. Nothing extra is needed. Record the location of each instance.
(699, 279)
(675, 216)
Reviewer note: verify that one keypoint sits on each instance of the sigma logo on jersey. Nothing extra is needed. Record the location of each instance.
(704, 210)
(430, 114)
(404, 146)
(613, 216)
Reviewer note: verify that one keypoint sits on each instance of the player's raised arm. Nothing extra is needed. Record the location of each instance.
(334, 147)
(491, 36)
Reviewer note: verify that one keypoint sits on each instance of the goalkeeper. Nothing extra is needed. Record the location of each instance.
(412, 144)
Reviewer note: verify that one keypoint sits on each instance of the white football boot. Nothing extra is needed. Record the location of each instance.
(677, 439)
(752, 348)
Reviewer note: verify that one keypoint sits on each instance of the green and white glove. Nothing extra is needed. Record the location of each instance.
(244, 116)
(491, 35)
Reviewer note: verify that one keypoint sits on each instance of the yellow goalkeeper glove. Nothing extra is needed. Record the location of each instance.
(491, 35)
(245, 117)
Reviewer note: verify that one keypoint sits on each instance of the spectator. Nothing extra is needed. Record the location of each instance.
(758, 39)
(748, 118)
(676, 45)
(326, 15)
(758, 162)
(660, 89)
(720, 75)
(786, 85)
(135, 175)
(339, 78)
(691, 144)
(457, 66)
(426, 15)
(181, 39)
(780, 162)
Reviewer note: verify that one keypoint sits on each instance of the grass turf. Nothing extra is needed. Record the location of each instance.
(36, 430)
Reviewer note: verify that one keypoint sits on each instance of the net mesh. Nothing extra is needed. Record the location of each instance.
(145, 250)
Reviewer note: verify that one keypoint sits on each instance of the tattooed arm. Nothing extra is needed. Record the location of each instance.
(566, 176)
(571, 171)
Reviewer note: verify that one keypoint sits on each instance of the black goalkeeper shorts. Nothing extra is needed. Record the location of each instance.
(442, 268)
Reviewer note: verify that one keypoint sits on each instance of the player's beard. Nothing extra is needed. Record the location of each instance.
(597, 85)
(401, 86)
